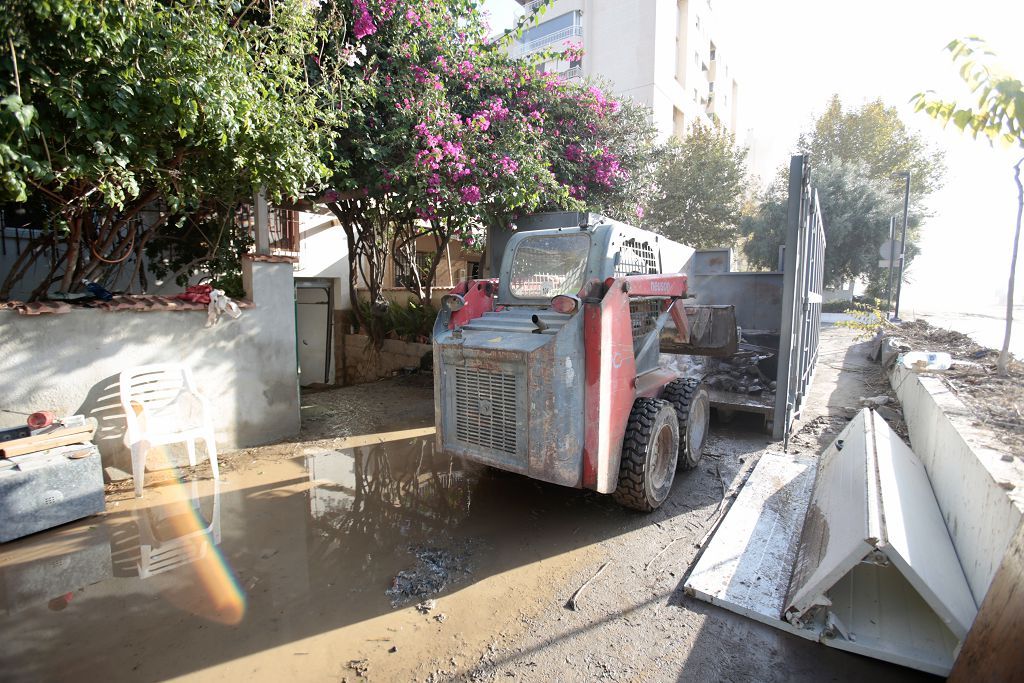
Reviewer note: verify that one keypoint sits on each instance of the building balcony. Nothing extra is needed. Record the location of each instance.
(544, 42)
(571, 73)
(531, 5)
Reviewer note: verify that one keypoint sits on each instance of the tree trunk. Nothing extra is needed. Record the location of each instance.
(440, 244)
(1002, 367)
(353, 267)
(74, 240)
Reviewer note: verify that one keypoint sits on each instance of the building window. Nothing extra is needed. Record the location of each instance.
(473, 270)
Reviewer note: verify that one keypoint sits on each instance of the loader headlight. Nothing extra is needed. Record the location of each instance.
(565, 303)
(452, 302)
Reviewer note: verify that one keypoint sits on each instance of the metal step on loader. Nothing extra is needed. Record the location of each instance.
(555, 369)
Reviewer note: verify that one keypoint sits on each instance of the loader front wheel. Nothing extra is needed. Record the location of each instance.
(649, 452)
(690, 399)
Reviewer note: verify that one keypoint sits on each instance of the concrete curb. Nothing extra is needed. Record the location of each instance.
(981, 496)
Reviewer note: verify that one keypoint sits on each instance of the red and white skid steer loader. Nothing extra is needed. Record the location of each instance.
(554, 370)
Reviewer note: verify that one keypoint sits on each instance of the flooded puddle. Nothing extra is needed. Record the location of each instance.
(373, 561)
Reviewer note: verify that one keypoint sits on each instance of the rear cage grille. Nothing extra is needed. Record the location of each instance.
(485, 409)
(636, 258)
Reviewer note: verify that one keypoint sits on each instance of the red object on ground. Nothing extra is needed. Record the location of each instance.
(40, 419)
(197, 294)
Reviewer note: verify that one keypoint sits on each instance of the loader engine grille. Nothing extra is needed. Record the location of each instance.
(643, 313)
(485, 409)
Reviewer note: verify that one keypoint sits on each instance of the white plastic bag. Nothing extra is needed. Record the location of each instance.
(220, 304)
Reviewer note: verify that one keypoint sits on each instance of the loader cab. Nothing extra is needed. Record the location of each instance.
(540, 264)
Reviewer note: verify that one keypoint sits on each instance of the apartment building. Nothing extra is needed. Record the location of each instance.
(662, 53)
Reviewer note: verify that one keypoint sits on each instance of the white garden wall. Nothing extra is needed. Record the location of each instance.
(69, 363)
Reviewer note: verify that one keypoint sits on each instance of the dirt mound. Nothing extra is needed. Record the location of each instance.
(997, 402)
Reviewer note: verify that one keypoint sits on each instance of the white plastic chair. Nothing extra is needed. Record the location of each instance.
(162, 406)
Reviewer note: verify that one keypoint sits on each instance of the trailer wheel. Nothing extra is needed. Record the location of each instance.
(649, 452)
(690, 399)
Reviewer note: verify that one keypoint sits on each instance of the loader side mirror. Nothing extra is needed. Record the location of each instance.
(452, 302)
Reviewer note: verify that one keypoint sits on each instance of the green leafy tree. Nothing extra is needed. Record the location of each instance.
(121, 119)
(879, 144)
(874, 135)
(997, 114)
(701, 188)
(855, 210)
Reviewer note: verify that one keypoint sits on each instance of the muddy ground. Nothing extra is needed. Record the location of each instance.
(315, 560)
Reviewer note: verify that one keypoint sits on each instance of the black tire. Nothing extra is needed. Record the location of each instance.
(649, 451)
(690, 399)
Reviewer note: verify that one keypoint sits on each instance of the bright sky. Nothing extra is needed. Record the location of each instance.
(789, 56)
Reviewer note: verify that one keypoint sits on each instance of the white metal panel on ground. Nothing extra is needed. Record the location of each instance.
(874, 570)
(885, 618)
(916, 535)
(837, 523)
(746, 568)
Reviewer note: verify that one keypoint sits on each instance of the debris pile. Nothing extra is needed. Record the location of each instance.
(743, 372)
(435, 569)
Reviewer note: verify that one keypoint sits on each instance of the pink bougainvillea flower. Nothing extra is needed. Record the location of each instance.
(470, 194)
(363, 25)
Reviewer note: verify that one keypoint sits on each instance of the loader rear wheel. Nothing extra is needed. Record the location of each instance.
(690, 399)
(649, 452)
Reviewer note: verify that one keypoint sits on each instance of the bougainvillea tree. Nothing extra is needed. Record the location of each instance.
(447, 136)
(433, 143)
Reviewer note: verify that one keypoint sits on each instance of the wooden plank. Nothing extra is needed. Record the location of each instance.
(994, 648)
(58, 437)
(383, 437)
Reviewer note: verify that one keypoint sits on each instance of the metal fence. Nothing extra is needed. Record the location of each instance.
(803, 269)
(282, 224)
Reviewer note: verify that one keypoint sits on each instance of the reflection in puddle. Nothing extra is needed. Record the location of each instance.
(177, 535)
(325, 548)
(395, 499)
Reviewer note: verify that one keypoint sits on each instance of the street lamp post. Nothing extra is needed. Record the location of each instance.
(892, 257)
(903, 242)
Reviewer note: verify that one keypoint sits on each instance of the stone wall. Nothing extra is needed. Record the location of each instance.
(359, 363)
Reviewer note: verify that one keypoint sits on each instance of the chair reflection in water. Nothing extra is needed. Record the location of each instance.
(177, 534)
